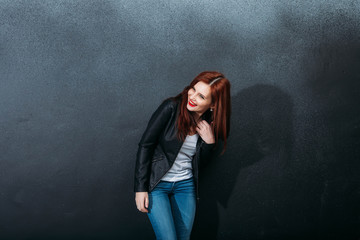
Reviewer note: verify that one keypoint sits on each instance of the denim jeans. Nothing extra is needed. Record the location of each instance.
(172, 207)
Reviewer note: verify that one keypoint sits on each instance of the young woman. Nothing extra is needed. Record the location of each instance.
(179, 138)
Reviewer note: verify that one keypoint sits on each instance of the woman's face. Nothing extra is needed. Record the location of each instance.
(199, 98)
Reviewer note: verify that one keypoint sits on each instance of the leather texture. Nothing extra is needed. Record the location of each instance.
(159, 147)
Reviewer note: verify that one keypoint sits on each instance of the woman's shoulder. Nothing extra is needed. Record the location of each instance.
(170, 102)
(168, 106)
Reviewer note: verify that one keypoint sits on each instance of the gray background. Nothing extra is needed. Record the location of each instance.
(80, 79)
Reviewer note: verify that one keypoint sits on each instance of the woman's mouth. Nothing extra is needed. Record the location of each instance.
(192, 104)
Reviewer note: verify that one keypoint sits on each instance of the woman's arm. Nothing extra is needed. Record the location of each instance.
(148, 143)
(207, 152)
(207, 146)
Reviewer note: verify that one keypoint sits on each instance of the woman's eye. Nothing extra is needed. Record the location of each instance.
(202, 96)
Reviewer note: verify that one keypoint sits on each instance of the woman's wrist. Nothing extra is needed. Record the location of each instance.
(210, 142)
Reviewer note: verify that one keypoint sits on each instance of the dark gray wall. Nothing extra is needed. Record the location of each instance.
(80, 79)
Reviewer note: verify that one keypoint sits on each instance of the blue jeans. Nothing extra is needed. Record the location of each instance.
(172, 208)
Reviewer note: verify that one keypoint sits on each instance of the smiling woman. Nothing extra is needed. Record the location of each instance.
(179, 138)
(208, 97)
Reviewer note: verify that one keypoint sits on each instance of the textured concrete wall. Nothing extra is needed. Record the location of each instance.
(79, 80)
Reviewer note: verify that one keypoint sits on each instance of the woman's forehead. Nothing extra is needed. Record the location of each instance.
(203, 88)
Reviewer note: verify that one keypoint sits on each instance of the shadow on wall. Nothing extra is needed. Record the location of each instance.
(335, 79)
(329, 156)
(269, 186)
(247, 181)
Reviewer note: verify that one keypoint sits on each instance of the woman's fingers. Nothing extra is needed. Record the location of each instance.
(199, 128)
(199, 125)
(143, 209)
(138, 203)
(143, 203)
(203, 126)
(147, 201)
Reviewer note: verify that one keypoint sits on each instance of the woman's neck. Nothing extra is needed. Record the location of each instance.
(192, 130)
(196, 117)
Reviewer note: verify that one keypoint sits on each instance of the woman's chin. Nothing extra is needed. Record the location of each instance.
(191, 109)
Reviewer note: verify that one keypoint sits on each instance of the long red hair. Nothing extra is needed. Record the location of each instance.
(219, 118)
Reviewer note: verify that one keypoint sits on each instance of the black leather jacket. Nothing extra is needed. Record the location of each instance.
(159, 147)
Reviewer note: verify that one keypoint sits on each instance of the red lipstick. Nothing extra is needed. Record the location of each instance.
(192, 104)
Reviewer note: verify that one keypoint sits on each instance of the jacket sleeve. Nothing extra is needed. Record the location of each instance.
(148, 143)
(207, 153)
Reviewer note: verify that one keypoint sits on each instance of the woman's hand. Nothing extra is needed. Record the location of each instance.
(205, 131)
(142, 201)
